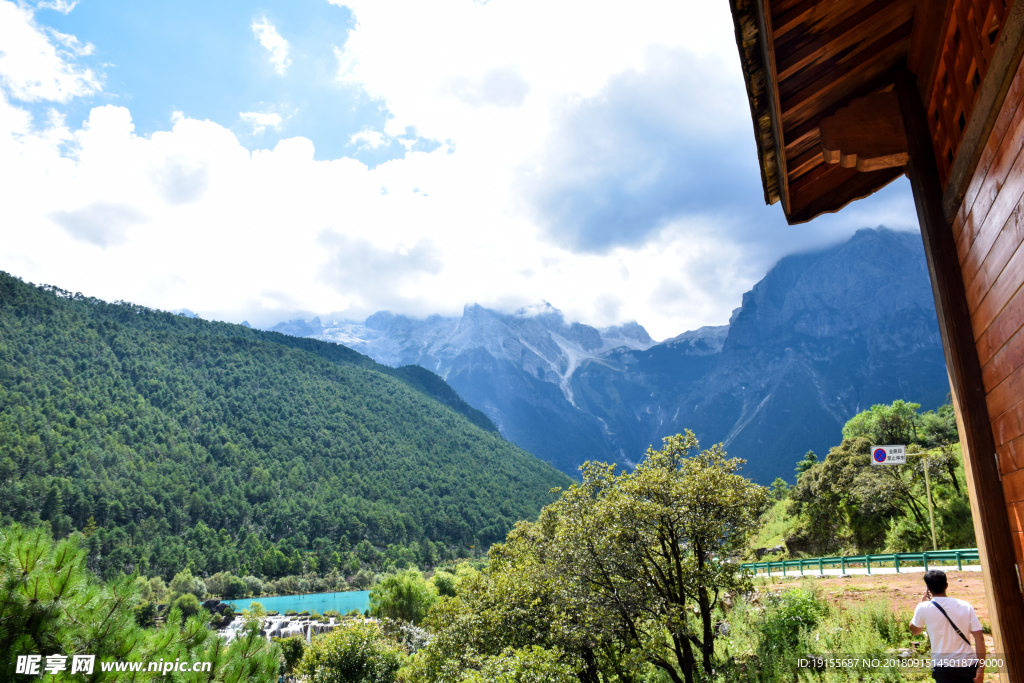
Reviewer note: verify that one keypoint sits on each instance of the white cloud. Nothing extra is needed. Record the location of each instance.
(274, 43)
(260, 235)
(260, 121)
(62, 6)
(32, 67)
(100, 223)
(498, 87)
(368, 138)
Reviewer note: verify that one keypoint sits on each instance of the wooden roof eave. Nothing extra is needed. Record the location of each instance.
(760, 90)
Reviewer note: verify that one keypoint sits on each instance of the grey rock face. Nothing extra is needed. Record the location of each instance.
(821, 337)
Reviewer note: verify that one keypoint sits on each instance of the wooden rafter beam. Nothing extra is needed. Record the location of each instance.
(774, 101)
(828, 188)
(867, 134)
(804, 137)
(874, 19)
(833, 81)
(811, 13)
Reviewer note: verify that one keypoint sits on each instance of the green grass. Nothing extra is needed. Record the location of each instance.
(769, 631)
(777, 527)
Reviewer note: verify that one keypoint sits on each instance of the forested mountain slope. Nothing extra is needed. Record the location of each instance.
(213, 445)
(516, 367)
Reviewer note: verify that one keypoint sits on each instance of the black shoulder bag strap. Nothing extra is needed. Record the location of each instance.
(958, 631)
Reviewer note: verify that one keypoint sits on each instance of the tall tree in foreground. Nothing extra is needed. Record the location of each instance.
(652, 550)
(50, 604)
(619, 577)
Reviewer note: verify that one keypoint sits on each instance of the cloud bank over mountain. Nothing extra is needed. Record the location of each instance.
(821, 337)
(334, 158)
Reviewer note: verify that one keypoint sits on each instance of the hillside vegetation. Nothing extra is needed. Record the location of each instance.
(844, 504)
(173, 442)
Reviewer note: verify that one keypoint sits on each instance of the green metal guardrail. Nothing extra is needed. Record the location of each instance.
(959, 556)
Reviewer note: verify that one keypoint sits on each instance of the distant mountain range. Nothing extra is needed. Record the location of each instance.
(821, 337)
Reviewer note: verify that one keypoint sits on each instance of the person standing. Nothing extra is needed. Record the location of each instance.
(947, 621)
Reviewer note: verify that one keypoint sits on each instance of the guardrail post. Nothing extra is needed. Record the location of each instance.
(867, 562)
(821, 568)
(801, 567)
(925, 556)
(783, 567)
(842, 564)
(959, 562)
(896, 561)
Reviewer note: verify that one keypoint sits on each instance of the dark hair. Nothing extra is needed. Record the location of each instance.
(935, 579)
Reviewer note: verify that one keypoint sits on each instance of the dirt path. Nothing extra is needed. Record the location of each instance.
(902, 591)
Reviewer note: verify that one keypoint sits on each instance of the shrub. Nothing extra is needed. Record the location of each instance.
(360, 653)
(184, 582)
(188, 604)
(444, 583)
(292, 649)
(406, 596)
(786, 616)
(253, 586)
(234, 587)
(523, 666)
(145, 613)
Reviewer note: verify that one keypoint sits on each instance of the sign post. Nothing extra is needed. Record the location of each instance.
(888, 455)
(928, 492)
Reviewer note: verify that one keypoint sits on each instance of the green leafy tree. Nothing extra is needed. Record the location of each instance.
(512, 605)
(779, 489)
(360, 653)
(253, 586)
(292, 650)
(183, 582)
(145, 613)
(939, 430)
(234, 587)
(444, 583)
(825, 499)
(51, 604)
(938, 427)
(187, 604)
(363, 579)
(406, 596)
(809, 460)
(255, 613)
(885, 424)
(648, 551)
(844, 501)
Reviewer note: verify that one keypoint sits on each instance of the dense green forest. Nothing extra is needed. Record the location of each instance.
(173, 443)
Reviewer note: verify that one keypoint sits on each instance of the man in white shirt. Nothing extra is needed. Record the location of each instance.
(947, 621)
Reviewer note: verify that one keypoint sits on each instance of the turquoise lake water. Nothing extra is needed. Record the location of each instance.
(311, 602)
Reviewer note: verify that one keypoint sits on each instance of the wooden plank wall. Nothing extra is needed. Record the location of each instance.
(968, 43)
(989, 233)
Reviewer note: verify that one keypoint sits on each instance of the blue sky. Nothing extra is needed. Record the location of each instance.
(201, 59)
(338, 157)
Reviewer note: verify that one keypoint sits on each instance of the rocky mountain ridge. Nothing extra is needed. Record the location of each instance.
(822, 336)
